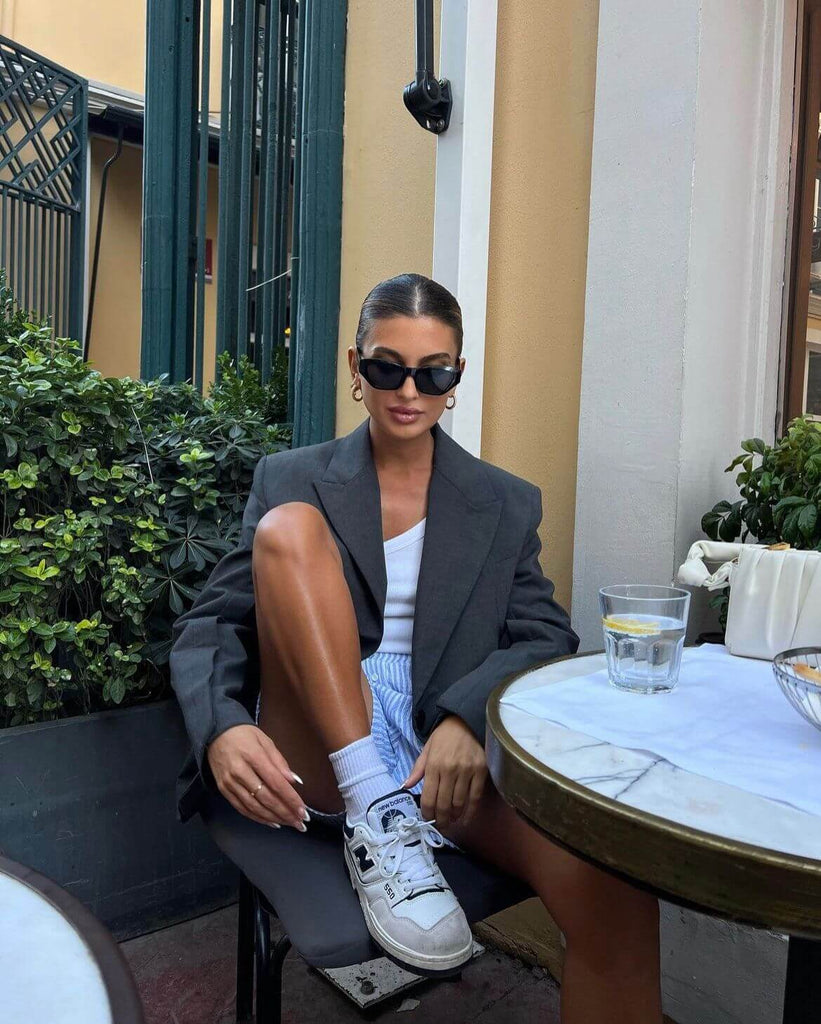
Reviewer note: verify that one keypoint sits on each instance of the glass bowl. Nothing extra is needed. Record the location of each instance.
(799, 675)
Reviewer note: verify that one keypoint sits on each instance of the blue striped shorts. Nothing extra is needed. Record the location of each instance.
(391, 728)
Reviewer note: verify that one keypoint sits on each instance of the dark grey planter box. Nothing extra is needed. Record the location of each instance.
(90, 803)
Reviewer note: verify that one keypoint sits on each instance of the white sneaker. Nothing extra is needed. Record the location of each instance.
(409, 908)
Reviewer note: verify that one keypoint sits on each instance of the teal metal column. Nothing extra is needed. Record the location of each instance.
(169, 188)
(322, 45)
(237, 147)
(299, 54)
(202, 194)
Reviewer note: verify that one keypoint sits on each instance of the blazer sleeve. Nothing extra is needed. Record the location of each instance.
(209, 654)
(537, 629)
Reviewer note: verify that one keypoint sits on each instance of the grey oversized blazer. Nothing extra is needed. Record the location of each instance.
(484, 609)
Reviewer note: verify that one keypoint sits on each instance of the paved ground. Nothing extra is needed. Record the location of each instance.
(186, 976)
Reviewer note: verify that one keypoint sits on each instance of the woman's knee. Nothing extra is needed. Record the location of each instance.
(294, 529)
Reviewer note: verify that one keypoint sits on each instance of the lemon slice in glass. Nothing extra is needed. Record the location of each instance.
(635, 627)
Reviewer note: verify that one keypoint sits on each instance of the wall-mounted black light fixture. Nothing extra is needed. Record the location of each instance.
(428, 98)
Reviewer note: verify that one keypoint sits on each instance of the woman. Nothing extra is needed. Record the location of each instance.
(395, 543)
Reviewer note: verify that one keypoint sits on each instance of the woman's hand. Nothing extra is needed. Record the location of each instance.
(241, 758)
(454, 767)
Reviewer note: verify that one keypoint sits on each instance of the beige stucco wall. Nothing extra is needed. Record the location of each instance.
(101, 41)
(388, 172)
(543, 130)
(114, 347)
(104, 42)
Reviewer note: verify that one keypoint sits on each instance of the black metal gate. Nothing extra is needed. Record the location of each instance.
(43, 167)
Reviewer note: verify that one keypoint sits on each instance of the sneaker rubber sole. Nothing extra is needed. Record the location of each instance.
(408, 959)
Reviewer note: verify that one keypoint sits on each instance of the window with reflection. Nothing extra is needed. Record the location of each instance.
(802, 378)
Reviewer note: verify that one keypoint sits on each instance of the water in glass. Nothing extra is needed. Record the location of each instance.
(644, 629)
(644, 653)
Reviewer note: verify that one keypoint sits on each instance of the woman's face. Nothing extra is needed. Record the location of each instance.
(410, 341)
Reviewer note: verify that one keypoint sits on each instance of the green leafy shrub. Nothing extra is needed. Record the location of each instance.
(780, 488)
(117, 497)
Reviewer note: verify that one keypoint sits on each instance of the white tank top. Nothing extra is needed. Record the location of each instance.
(403, 554)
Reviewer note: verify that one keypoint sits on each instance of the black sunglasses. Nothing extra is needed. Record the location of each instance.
(386, 376)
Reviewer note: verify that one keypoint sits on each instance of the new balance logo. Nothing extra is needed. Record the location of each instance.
(390, 816)
(362, 859)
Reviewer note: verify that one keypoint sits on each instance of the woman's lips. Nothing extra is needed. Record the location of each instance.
(405, 416)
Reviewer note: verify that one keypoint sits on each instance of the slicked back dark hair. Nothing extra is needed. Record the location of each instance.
(410, 295)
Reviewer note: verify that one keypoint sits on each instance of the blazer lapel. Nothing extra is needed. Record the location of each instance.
(462, 518)
(349, 492)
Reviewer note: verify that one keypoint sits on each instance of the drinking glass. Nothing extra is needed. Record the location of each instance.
(644, 629)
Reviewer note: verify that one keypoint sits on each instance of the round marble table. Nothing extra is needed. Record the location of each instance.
(691, 840)
(58, 964)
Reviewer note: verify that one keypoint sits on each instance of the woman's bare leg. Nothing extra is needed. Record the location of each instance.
(611, 968)
(315, 698)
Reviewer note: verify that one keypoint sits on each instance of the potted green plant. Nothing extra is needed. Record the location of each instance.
(780, 495)
(117, 497)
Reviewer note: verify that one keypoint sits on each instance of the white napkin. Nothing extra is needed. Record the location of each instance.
(726, 719)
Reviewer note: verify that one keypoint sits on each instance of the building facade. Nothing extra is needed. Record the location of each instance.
(626, 205)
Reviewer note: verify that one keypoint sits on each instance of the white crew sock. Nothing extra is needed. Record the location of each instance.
(361, 776)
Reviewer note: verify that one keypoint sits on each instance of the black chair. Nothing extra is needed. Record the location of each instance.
(301, 880)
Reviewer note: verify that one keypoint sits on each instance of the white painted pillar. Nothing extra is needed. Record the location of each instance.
(685, 267)
(687, 245)
(464, 155)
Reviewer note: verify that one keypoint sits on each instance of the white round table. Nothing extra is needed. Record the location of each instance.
(58, 964)
(689, 839)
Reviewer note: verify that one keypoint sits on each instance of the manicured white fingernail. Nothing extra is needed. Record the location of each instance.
(273, 824)
(305, 815)
(296, 778)
(302, 827)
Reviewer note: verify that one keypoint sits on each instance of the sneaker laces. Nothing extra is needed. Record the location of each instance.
(411, 864)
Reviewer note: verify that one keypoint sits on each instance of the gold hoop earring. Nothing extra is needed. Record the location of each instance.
(354, 385)
(454, 402)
